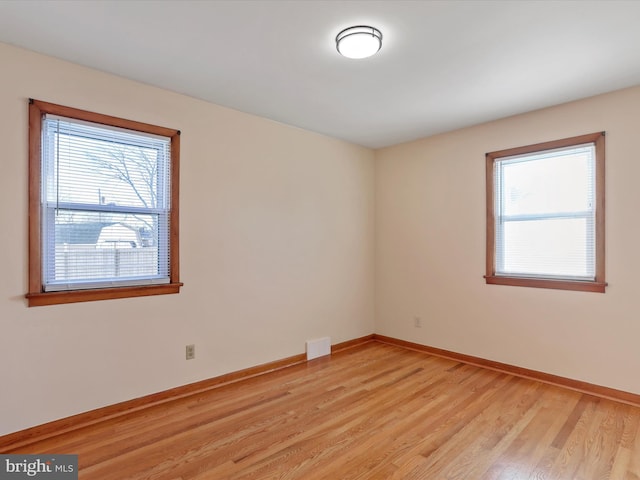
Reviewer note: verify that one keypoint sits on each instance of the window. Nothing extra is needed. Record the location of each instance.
(103, 206)
(545, 215)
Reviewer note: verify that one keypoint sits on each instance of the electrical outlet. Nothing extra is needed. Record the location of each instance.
(417, 322)
(191, 352)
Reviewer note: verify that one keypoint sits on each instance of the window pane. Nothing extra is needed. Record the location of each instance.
(551, 182)
(557, 247)
(89, 246)
(100, 166)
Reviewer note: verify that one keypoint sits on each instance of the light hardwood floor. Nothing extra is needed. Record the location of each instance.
(376, 411)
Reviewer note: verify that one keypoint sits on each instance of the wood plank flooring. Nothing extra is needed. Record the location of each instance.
(376, 411)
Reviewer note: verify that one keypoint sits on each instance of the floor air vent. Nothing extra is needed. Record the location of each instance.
(318, 347)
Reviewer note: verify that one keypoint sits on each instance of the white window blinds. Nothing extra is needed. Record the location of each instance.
(545, 214)
(105, 206)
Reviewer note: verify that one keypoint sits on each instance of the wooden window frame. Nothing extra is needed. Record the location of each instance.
(598, 284)
(36, 295)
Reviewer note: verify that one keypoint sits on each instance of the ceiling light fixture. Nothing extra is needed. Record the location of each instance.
(359, 42)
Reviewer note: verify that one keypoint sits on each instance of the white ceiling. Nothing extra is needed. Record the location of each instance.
(443, 64)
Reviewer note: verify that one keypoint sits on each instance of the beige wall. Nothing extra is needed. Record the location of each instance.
(430, 250)
(276, 248)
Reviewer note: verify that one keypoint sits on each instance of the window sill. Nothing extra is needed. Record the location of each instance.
(74, 296)
(595, 287)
